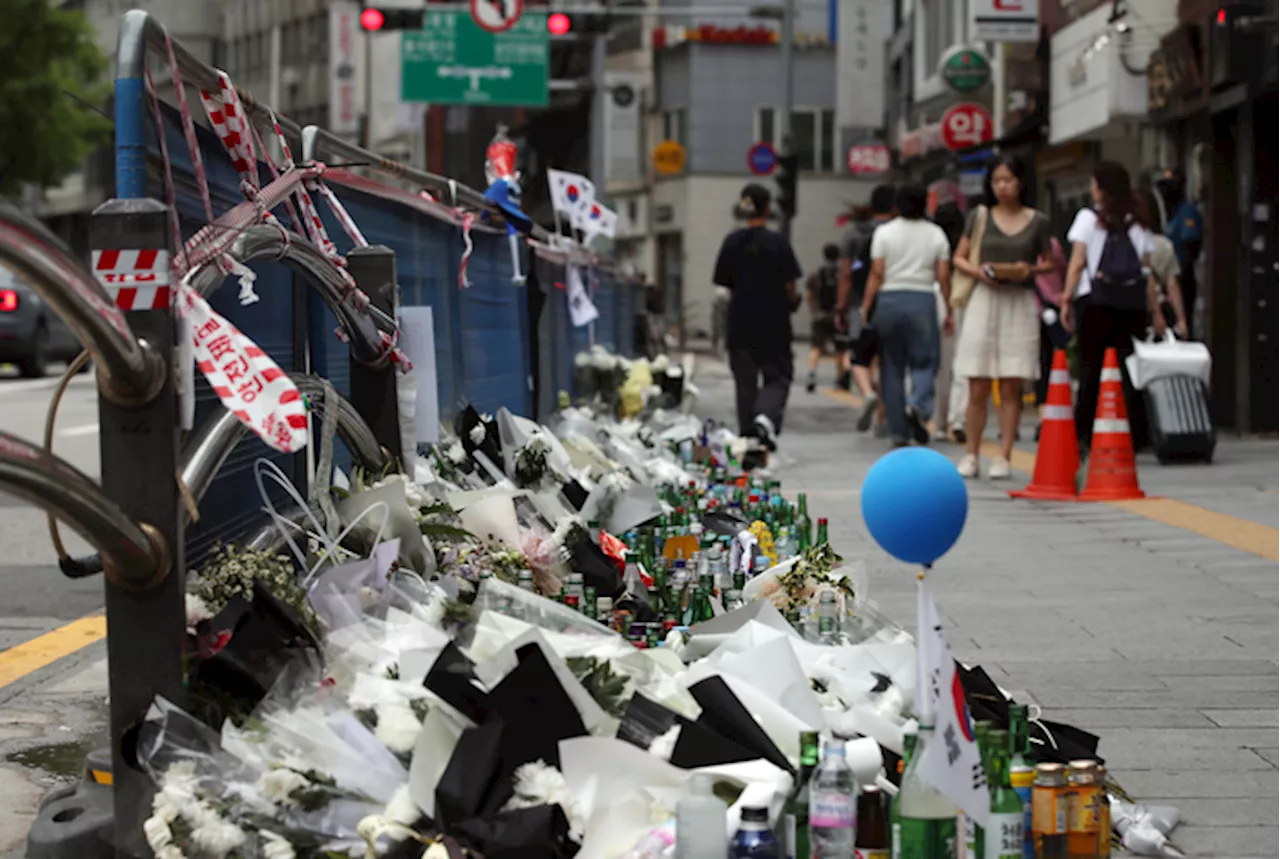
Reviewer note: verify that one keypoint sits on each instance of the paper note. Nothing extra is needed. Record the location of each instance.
(418, 339)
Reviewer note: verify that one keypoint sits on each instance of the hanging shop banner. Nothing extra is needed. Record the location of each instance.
(250, 385)
(1004, 20)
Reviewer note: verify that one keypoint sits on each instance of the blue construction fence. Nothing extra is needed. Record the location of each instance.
(497, 345)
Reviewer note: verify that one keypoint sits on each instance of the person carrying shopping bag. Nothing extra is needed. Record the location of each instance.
(1006, 244)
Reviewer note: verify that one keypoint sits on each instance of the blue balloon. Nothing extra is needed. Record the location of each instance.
(914, 503)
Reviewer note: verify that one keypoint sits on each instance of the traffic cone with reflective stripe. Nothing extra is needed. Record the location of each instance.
(1058, 456)
(1113, 475)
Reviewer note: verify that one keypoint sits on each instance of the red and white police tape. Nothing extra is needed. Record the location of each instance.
(135, 279)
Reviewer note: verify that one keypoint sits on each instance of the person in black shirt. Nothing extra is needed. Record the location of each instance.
(760, 270)
(823, 287)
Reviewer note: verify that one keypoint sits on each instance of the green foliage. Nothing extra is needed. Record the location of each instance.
(52, 77)
(598, 678)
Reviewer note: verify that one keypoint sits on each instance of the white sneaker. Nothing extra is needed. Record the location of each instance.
(968, 466)
(999, 469)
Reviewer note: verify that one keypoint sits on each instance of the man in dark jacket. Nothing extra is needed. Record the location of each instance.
(759, 268)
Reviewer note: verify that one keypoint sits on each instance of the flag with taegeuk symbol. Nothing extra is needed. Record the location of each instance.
(571, 194)
(951, 760)
(597, 221)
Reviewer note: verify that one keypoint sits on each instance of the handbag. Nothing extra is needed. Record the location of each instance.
(961, 283)
(1156, 359)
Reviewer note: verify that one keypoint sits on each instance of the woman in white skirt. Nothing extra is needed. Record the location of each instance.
(1000, 336)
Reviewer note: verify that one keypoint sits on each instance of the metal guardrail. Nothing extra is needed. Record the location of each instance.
(133, 555)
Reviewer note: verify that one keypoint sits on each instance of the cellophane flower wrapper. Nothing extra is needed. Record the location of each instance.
(1144, 829)
(385, 512)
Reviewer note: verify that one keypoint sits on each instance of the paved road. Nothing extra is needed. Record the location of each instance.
(1160, 639)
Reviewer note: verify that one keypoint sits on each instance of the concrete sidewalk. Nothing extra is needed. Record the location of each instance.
(1161, 640)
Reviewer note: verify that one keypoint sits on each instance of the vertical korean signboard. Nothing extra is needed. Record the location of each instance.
(344, 94)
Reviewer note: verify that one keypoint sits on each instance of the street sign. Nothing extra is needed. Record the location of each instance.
(1004, 20)
(496, 16)
(868, 159)
(965, 69)
(762, 158)
(668, 158)
(966, 125)
(452, 60)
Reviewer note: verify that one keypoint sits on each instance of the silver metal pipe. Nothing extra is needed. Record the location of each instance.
(263, 242)
(205, 453)
(133, 555)
(268, 537)
(139, 30)
(129, 371)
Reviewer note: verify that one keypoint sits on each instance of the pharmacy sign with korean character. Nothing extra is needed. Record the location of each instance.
(453, 60)
(967, 125)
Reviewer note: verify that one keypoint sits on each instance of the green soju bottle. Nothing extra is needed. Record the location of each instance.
(926, 818)
(908, 749)
(822, 533)
(1004, 836)
(804, 526)
(973, 833)
(796, 814)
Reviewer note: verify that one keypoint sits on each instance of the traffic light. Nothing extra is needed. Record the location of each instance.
(380, 19)
(558, 24)
(788, 168)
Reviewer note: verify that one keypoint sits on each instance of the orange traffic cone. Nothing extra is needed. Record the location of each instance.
(1113, 475)
(1058, 456)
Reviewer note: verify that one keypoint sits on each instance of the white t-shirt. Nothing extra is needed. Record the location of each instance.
(909, 250)
(1086, 230)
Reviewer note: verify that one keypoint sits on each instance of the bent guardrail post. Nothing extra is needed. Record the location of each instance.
(373, 389)
(140, 450)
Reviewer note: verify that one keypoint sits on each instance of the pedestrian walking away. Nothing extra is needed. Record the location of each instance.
(1110, 296)
(908, 255)
(1006, 245)
(822, 291)
(856, 327)
(951, 397)
(1185, 229)
(759, 269)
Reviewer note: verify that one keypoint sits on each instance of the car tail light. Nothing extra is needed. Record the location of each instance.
(8, 301)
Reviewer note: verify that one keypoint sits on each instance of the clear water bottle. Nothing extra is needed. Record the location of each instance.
(833, 795)
(786, 544)
(828, 618)
(754, 839)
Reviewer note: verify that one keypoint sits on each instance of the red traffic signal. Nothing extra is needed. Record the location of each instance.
(558, 24)
(372, 19)
(1222, 16)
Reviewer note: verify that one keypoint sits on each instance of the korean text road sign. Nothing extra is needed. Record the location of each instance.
(451, 60)
(668, 158)
(762, 158)
(1004, 20)
(868, 159)
(966, 125)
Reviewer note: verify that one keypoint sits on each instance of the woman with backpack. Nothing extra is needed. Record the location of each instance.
(1110, 294)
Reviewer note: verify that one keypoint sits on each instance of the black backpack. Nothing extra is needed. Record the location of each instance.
(862, 266)
(828, 288)
(1120, 280)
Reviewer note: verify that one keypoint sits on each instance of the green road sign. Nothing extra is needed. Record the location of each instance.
(965, 69)
(451, 60)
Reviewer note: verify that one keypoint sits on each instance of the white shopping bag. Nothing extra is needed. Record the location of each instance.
(1157, 359)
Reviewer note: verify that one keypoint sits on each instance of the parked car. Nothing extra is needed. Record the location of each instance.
(31, 334)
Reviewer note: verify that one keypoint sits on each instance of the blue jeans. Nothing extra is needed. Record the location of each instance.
(907, 323)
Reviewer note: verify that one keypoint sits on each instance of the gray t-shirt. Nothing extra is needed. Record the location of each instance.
(1164, 260)
(1027, 245)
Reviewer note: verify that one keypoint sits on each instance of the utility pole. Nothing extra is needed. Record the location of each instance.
(599, 104)
(787, 39)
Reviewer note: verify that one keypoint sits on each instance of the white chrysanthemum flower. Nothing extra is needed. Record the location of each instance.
(158, 833)
(217, 837)
(276, 846)
(436, 850)
(538, 784)
(277, 785)
(486, 418)
(398, 728)
(197, 610)
(674, 372)
(660, 364)
(674, 642)
(456, 453)
(624, 364)
(582, 359)
(477, 434)
(602, 360)
(171, 851)
(402, 809)
(180, 783)
(164, 808)
(663, 747)
(368, 597)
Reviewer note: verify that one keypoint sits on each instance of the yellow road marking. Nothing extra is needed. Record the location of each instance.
(1251, 537)
(30, 656)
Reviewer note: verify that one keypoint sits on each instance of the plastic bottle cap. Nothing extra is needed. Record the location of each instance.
(702, 784)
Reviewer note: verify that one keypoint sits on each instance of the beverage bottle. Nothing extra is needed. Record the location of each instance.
(658, 844)
(895, 822)
(754, 839)
(804, 526)
(1104, 817)
(822, 533)
(828, 618)
(927, 819)
(795, 817)
(1049, 806)
(1022, 774)
(575, 587)
(785, 544)
(833, 793)
(973, 835)
(733, 600)
(604, 610)
(1003, 836)
(871, 840)
(1084, 816)
(700, 821)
